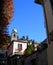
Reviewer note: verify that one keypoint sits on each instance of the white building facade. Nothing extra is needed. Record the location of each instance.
(18, 46)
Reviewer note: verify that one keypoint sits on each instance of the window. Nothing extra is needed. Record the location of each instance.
(14, 35)
(20, 46)
(51, 1)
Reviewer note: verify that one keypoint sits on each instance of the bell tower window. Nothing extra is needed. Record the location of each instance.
(14, 35)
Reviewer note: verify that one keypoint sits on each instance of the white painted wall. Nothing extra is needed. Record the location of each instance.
(15, 47)
(35, 45)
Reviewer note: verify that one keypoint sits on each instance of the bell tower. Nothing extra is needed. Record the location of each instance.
(14, 35)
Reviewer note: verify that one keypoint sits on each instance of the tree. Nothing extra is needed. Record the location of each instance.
(29, 49)
(6, 13)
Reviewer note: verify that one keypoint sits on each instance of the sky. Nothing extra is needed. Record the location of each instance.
(28, 19)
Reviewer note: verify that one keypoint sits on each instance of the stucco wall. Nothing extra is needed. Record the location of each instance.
(49, 14)
(50, 54)
(15, 47)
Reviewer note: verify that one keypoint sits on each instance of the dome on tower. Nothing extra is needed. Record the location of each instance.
(15, 30)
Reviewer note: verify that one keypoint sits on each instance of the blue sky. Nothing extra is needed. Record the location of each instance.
(28, 19)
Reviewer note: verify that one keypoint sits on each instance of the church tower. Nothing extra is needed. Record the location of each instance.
(14, 35)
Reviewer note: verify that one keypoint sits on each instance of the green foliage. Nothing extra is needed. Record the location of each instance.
(29, 49)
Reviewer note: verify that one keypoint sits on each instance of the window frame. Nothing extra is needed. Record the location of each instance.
(19, 47)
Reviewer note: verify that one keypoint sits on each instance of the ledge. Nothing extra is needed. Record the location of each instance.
(38, 2)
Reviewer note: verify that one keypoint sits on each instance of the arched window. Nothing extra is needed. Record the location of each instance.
(14, 35)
